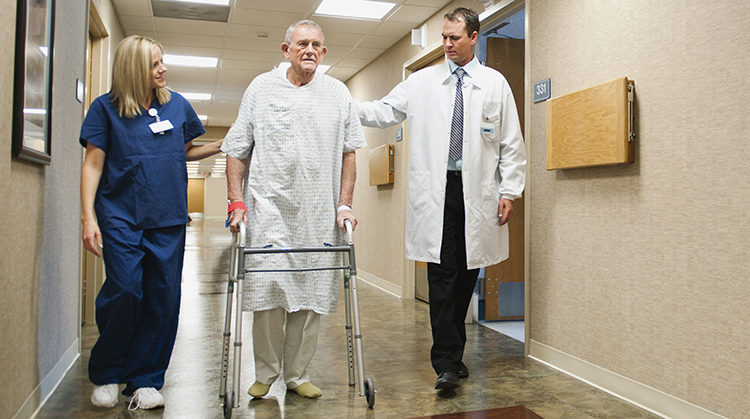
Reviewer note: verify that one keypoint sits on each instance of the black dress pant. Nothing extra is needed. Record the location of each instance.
(451, 284)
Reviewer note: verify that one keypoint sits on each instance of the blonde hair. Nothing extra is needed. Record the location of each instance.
(131, 75)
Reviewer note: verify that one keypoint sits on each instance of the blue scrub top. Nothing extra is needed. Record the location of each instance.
(144, 181)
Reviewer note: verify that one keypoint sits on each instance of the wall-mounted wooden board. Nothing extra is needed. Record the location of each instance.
(591, 127)
(381, 165)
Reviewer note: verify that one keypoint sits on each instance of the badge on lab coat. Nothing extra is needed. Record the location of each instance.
(486, 128)
(161, 126)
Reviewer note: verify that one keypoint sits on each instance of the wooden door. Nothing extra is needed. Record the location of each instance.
(503, 287)
(196, 194)
(421, 286)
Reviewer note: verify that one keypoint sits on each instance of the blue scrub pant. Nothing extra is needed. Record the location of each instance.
(138, 306)
(451, 284)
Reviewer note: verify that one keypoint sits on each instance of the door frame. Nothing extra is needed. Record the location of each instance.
(92, 268)
(489, 18)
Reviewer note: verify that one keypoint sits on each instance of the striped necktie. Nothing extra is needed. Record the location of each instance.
(457, 124)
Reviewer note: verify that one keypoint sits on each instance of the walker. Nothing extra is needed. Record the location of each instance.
(237, 274)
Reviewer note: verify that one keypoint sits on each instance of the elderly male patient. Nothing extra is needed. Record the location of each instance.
(298, 132)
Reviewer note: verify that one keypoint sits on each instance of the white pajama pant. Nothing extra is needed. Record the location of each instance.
(287, 340)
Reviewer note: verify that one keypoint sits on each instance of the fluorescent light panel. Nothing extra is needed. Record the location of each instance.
(357, 9)
(190, 61)
(322, 68)
(196, 96)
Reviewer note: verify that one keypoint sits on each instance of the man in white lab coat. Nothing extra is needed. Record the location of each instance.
(467, 164)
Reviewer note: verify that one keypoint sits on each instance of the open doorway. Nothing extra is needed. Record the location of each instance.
(501, 287)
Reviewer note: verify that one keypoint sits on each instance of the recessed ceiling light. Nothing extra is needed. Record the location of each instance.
(203, 118)
(217, 2)
(358, 9)
(322, 68)
(196, 96)
(190, 61)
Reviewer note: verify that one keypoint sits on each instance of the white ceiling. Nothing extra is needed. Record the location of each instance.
(244, 53)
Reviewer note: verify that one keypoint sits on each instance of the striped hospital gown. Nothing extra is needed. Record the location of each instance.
(297, 136)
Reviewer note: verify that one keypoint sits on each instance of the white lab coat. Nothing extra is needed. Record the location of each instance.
(494, 157)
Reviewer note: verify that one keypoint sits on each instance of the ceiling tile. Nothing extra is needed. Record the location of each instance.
(147, 34)
(231, 95)
(264, 17)
(333, 24)
(251, 31)
(178, 73)
(354, 62)
(368, 53)
(413, 14)
(260, 56)
(196, 27)
(336, 52)
(132, 7)
(237, 78)
(381, 42)
(389, 28)
(343, 73)
(227, 107)
(253, 44)
(204, 41)
(201, 107)
(190, 85)
(300, 6)
(191, 50)
(243, 65)
(342, 39)
(136, 23)
(434, 3)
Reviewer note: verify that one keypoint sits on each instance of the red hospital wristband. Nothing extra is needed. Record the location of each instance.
(235, 205)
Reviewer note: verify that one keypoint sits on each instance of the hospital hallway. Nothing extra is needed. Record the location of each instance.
(396, 338)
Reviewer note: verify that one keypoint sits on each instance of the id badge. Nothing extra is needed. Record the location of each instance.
(486, 128)
(159, 127)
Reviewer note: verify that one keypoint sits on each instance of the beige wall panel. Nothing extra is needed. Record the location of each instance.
(216, 197)
(39, 255)
(380, 210)
(21, 186)
(642, 269)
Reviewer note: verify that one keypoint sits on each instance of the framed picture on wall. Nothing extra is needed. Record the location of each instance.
(32, 95)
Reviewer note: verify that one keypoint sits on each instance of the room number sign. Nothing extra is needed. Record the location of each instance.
(541, 90)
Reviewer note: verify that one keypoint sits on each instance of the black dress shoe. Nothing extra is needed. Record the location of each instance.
(447, 379)
(463, 372)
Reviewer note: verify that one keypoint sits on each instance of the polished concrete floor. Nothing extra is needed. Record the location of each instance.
(396, 336)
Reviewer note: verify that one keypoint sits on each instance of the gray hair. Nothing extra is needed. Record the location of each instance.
(306, 22)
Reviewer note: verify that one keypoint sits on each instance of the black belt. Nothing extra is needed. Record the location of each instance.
(454, 173)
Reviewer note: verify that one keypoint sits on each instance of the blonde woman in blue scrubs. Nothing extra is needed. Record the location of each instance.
(134, 211)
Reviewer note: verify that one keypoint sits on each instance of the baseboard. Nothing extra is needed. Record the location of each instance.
(44, 390)
(381, 283)
(641, 395)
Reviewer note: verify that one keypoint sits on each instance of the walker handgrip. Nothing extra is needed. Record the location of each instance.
(349, 230)
(239, 239)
